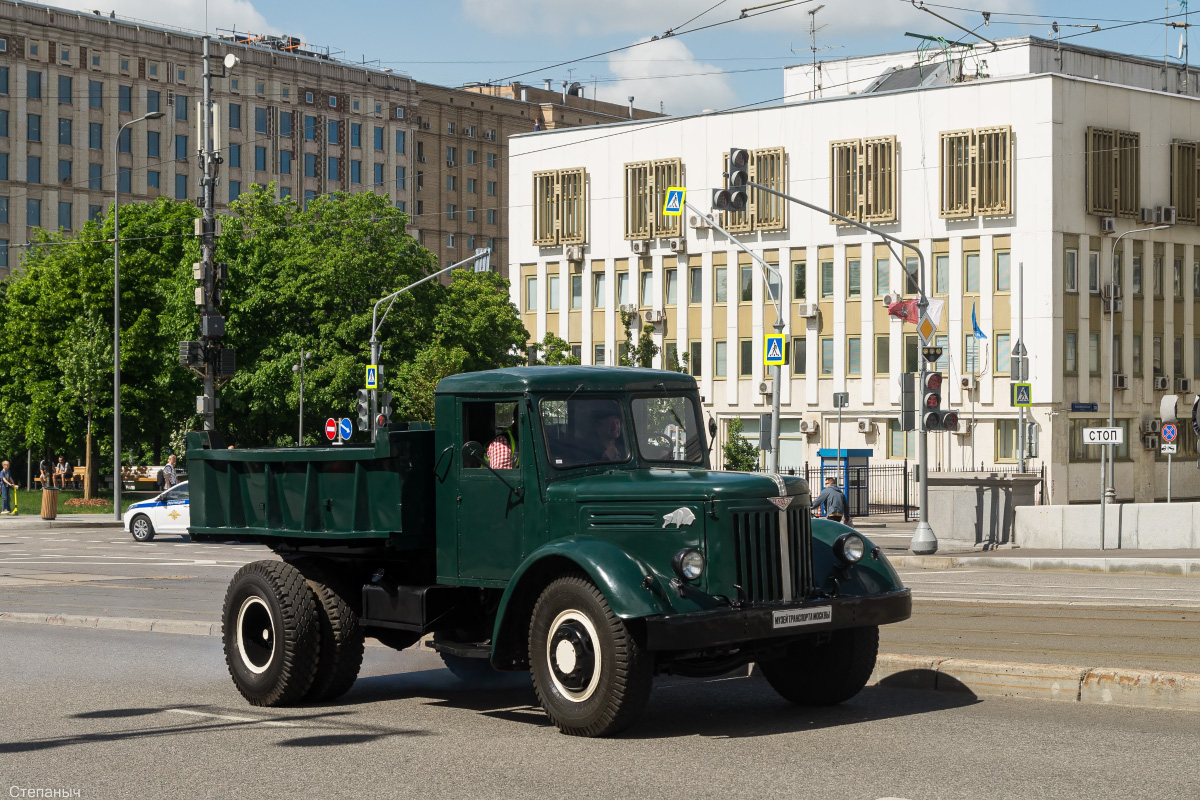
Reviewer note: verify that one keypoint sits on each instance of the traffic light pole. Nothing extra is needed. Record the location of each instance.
(377, 322)
(923, 540)
(776, 369)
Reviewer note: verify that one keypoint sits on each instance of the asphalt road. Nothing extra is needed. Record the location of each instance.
(121, 714)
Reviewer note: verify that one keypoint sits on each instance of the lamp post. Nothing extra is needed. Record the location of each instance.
(300, 368)
(117, 314)
(1108, 492)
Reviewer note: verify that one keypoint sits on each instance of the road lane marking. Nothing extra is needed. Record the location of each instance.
(231, 718)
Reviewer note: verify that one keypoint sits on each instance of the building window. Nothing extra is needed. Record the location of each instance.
(853, 355)
(472, 157)
(976, 174)
(1071, 352)
(181, 147)
(153, 100)
(3, 210)
(971, 273)
(235, 156)
(826, 279)
(451, 183)
(124, 180)
(472, 186)
(598, 290)
(854, 277)
(491, 216)
(883, 354)
(1158, 277)
(1094, 272)
(4, 123)
(125, 99)
(826, 357)
(1177, 357)
(531, 293)
(576, 292)
(1003, 271)
(378, 176)
(1094, 353)
(559, 207)
(64, 171)
(310, 165)
(310, 128)
(260, 120)
(799, 280)
(1177, 278)
(1196, 281)
(334, 169)
(1006, 440)
(646, 287)
(181, 108)
(66, 90)
(552, 293)
(799, 355)
(901, 443)
(181, 185)
(451, 156)
(33, 84)
(720, 359)
(401, 179)
(33, 169)
(451, 210)
(285, 162)
(646, 184)
(334, 128)
(695, 359)
(671, 286)
(260, 159)
(333, 101)
(1137, 354)
(1003, 353)
(1085, 452)
(95, 175)
(152, 179)
(3, 76)
(764, 211)
(598, 354)
(153, 144)
(941, 274)
(33, 127)
(491, 188)
(695, 286)
(863, 183)
(450, 239)
(1071, 270)
(883, 278)
(746, 358)
(1113, 173)
(400, 142)
(491, 160)
(64, 216)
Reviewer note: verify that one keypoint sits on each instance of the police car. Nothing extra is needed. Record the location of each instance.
(167, 513)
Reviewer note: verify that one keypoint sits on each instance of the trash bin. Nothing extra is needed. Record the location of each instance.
(49, 503)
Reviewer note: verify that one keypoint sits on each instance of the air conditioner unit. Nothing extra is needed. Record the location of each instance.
(1162, 383)
(654, 315)
(1120, 381)
(1108, 290)
(573, 252)
(892, 297)
(1164, 215)
(866, 426)
(1111, 306)
(1183, 385)
(425, 125)
(968, 382)
(809, 426)
(1150, 442)
(1151, 426)
(764, 387)
(629, 308)
(640, 247)
(421, 159)
(1108, 224)
(449, 162)
(1148, 216)
(699, 221)
(677, 245)
(808, 310)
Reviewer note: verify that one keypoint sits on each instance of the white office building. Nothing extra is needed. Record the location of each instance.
(1032, 158)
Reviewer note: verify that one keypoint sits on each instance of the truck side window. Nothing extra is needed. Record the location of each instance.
(494, 426)
(581, 431)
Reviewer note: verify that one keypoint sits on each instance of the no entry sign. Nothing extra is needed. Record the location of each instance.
(331, 428)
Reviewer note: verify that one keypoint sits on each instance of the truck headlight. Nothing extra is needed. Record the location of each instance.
(688, 563)
(850, 548)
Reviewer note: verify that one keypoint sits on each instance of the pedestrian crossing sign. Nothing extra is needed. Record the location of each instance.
(673, 206)
(773, 350)
(1022, 395)
(372, 381)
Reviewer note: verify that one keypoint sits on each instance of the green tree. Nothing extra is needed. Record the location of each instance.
(642, 354)
(554, 351)
(86, 367)
(740, 453)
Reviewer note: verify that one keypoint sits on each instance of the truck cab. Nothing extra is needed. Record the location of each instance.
(566, 521)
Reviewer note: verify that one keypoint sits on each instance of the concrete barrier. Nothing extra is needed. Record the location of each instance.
(1127, 526)
(1141, 689)
(1002, 679)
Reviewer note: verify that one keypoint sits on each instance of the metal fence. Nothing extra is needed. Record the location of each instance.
(892, 488)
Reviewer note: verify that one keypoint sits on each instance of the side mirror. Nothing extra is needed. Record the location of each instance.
(712, 428)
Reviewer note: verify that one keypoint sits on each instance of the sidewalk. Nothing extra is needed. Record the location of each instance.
(34, 520)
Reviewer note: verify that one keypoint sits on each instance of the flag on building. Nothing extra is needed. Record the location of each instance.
(975, 324)
(906, 310)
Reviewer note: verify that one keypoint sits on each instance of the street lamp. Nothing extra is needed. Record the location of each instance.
(300, 368)
(117, 315)
(1108, 492)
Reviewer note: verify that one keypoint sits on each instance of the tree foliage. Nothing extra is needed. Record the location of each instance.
(642, 354)
(554, 351)
(740, 453)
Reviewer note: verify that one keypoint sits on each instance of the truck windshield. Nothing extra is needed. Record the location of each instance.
(667, 429)
(582, 431)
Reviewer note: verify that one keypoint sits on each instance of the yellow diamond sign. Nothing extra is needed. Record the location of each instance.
(926, 328)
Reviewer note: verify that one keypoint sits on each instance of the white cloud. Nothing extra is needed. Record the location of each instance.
(666, 72)
(192, 15)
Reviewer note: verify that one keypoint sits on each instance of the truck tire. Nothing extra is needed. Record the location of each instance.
(141, 528)
(827, 674)
(341, 651)
(591, 675)
(271, 633)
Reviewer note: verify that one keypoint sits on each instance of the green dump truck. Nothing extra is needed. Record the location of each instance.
(562, 520)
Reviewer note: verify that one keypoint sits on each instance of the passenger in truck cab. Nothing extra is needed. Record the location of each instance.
(610, 443)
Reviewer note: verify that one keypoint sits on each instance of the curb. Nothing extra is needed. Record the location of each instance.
(1093, 686)
(181, 626)
(38, 522)
(1159, 567)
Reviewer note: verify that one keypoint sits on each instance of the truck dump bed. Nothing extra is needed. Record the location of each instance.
(351, 495)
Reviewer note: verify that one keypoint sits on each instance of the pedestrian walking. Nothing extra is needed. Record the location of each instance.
(171, 479)
(836, 507)
(8, 488)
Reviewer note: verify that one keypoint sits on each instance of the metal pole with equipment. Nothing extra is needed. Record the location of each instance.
(300, 368)
(377, 321)
(117, 311)
(776, 370)
(923, 542)
(1022, 365)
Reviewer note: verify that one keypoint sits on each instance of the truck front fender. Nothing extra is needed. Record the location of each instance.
(617, 574)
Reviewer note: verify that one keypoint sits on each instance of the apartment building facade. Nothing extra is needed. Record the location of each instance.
(1032, 173)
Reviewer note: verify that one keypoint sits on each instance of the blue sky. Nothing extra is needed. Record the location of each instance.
(457, 41)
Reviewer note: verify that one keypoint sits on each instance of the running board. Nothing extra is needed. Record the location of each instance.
(461, 649)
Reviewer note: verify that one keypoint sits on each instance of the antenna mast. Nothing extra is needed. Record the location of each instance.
(812, 43)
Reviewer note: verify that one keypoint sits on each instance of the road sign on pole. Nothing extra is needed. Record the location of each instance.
(1022, 395)
(331, 428)
(345, 428)
(1169, 432)
(1103, 436)
(372, 381)
(673, 205)
(773, 349)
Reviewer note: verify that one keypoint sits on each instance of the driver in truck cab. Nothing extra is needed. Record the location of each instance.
(610, 443)
(502, 453)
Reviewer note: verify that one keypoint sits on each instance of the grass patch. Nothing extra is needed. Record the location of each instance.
(30, 503)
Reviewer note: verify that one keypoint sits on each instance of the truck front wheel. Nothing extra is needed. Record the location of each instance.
(590, 673)
(271, 633)
(825, 674)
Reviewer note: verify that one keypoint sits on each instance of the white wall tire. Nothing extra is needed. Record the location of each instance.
(256, 635)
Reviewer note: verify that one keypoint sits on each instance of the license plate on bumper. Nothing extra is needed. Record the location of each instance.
(800, 617)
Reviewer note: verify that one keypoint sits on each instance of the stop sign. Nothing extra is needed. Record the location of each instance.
(331, 428)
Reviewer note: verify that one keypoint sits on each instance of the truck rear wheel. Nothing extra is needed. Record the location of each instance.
(271, 633)
(341, 651)
(826, 674)
(591, 675)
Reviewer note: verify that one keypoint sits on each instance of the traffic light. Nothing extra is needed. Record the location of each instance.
(734, 197)
(385, 409)
(908, 401)
(364, 410)
(931, 401)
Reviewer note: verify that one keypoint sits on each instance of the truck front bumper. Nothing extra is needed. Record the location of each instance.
(725, 626)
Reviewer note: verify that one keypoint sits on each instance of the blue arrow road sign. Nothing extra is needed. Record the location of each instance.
(345, 428)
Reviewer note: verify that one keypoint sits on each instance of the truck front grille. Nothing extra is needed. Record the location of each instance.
(759, 558)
